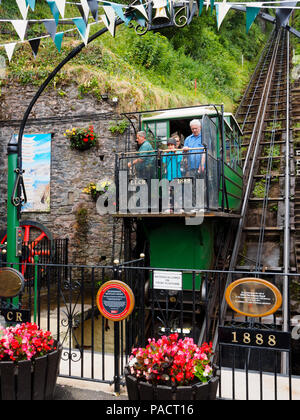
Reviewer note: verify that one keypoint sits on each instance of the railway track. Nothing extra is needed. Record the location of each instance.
(263, 236)
(264, 116)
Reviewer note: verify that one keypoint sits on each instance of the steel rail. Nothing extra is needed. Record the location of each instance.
(253, 138)
(256, 70)
(268, 176)
(257, 132)
(286, 242)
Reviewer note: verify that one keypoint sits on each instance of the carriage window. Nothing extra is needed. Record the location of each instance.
(161, 131)
(150, 131)
(156, 132)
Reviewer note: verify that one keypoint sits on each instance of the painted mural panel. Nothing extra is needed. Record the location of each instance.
(36, 153)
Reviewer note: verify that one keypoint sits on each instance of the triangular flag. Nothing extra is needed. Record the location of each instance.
(81, 26)
(222, 10)
(141, 9)
(119, 11)
(58, 40)
(251, 13)
(35, 43)
(23, 7)
(212, 3)
(81, 11)
(10, 49)
(93, 5)
(86, 9)
(61, 5)
(20, 27)
(51, 27)
(283, 15)
(110, 19)
(31, 3)
(201, 2)
(54, 10)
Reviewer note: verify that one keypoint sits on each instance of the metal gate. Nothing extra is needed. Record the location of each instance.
(256, 359)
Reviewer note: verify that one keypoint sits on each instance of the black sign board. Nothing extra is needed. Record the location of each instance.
(16, 316)
(249, 337)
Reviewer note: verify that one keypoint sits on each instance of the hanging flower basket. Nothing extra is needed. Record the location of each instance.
(95, 190)
(171, 369)
(81, 138)
(29, 363)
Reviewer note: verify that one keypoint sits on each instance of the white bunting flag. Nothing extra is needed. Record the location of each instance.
(23, 7)
(109, 19)
(142, 10)
(20, 27)
(61, 5)
(222, 10)
(85, 36)
(10, 48)
(86, 9)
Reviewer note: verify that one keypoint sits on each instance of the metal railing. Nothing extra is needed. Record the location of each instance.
(65, 304)
(167, 180)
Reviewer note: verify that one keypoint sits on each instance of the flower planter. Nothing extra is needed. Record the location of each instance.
(30, 379)
(139, 390)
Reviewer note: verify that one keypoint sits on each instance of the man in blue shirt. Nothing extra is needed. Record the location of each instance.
(196, 158)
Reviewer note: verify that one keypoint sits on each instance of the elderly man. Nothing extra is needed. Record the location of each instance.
(193, 144)
(145, 162)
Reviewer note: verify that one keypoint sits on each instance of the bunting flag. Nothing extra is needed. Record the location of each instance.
(93, 5)
(142, 9)
(20, 27)
(212, 3)
(51, 27)
(283, 16)
(9, 48)
(31, 4)
(251, 13)
(23, 7)
(221, 11)
(54, 10)
(35, 44)
(201, 2)
(81, 26)
(61, 5)
(86, 9)
(135, 12)
(119, 11)
(109, 19)
(58, 40)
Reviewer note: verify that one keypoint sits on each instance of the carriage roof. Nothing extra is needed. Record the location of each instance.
(185, 113)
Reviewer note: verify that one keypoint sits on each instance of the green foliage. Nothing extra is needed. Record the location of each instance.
(141, 70)
(118, 127)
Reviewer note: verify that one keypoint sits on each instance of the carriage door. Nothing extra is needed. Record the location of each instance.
(209, 140)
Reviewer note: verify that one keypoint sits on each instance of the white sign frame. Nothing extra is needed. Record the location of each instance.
(167, 280)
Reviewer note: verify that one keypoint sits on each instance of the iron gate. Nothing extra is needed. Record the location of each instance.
(95, 349)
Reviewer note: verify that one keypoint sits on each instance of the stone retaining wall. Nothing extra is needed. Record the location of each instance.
(71, 170)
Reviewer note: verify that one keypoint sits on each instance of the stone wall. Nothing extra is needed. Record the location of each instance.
(71, 170)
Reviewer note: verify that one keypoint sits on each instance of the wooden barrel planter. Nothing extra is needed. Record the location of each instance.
(143, 391)
(30, 379)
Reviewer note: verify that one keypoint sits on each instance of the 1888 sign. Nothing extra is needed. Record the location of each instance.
(270, 339)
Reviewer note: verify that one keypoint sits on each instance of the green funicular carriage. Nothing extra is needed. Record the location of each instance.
(178, 240)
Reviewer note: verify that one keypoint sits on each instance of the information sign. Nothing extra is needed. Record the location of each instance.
(115, 300)
(253, 297)
(11, 282)
(167, 280)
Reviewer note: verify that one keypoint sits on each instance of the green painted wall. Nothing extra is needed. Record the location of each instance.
(175, 245)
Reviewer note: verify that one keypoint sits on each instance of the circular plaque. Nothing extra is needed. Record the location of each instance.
(253, 297)
(115, 300)
(11, 282)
